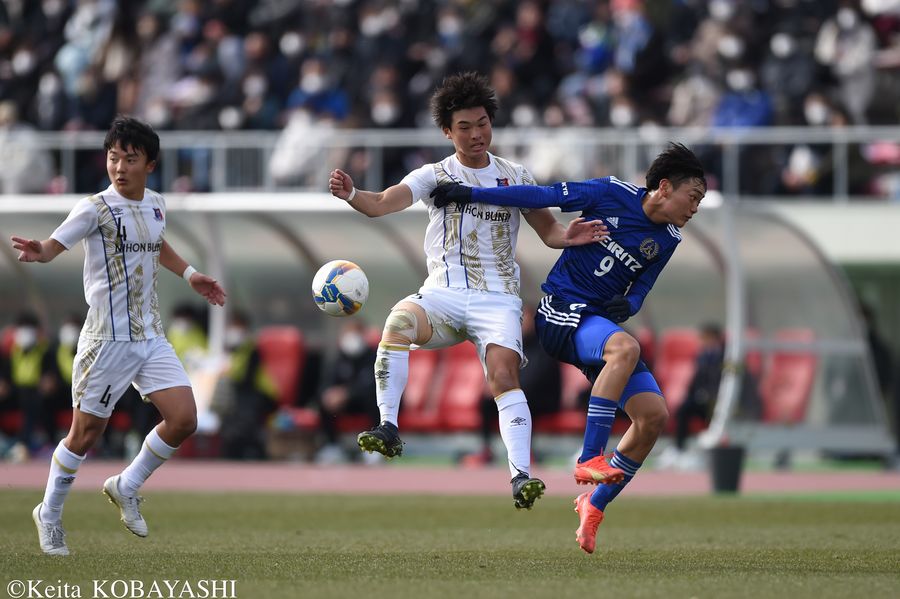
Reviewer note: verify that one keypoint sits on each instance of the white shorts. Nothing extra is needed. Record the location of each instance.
(104, 369)
(482, 317)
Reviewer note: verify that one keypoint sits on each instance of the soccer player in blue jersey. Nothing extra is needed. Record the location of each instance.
(594, 288)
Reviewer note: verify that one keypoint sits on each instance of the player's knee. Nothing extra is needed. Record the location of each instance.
(183, 424)
(654, 418)
(84, 433)
(400, 328)
(622, 348)
(502, 379)
(81, 441)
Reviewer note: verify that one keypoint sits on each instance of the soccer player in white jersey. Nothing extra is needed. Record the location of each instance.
(122, 341)
(472, 289)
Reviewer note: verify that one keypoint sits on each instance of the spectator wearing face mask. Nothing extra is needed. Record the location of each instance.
(246, 396)
(846, 44)
(58, 385)
(186, 334)
(348, 388)
(29, 371)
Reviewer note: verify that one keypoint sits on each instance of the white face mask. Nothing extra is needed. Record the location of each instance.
(49, 84)
(721, 10)
(802, 161)
(180, 325)
(255, 86)
(352, 344)
(731, 47)
(23, 62)
(312, 83)
(782, 45)
(230, 117)
(846, 18)
(621, 116)
(816, 113)
(68, 334)
(158, 114)
(291, 44)
(385, 113)
(739, 80)
(234, 336)
(25, 337)
(449, 26)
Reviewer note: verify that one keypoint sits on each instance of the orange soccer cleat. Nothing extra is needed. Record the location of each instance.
(590, 519)
(597, 471)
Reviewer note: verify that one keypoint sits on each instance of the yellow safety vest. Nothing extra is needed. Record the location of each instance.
(65, 361)
(240, 361)
(26, 365)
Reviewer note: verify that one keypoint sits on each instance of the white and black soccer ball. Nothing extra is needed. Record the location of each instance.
(340, 288)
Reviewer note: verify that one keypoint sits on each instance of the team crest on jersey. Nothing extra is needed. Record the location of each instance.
(157, 214)
(504, 182)
(649, 248)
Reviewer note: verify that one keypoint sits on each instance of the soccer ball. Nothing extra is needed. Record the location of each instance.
(340, 288)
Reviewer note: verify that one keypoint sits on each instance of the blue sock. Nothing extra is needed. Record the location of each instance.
(605, 493)
(601, 413)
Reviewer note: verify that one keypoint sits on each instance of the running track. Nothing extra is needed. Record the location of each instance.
(194, 475)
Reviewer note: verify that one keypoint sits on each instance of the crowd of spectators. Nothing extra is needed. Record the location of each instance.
(291, 64)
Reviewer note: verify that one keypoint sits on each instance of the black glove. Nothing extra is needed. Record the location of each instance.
(617, 309)
(451, 192)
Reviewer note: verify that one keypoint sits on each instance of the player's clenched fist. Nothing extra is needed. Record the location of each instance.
(340, 184)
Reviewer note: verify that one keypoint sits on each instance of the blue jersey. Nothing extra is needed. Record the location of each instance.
(626, 263)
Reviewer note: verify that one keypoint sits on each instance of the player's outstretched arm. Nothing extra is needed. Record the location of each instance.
(569, 195)
(370, 203)
(555, 235)
(203, 284)
(32, 250)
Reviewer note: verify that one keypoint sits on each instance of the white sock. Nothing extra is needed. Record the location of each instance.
(63, 466)
(154, 452)
(515, 430)
(391, 373)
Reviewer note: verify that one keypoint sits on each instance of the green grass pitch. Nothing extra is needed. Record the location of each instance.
(414, 546)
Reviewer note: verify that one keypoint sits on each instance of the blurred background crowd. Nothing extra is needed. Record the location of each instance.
(290, 65)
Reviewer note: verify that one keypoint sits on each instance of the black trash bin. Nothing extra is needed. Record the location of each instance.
(726, 464)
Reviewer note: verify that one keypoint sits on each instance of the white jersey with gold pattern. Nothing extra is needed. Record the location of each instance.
(473, 247)
(122, 240)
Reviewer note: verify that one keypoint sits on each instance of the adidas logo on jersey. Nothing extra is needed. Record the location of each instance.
(614, 221)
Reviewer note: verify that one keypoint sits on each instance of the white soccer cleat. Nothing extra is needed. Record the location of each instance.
(129, 507)
(52, 536)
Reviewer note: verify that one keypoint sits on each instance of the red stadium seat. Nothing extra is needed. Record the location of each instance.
(7, 336)
(675, 364)
(571, 417)
(11, 422)
(647, 341)
(787, 379)
(462, 389)
(419, 406)
(283, 354)
(753, 359)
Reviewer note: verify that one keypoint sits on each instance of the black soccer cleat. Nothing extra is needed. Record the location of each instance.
(526, 490)
(384, 438)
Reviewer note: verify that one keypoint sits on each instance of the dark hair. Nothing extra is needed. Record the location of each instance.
(241, 318)
(27, 319)
(461, 91)
(712, 329)
(131, 133)
(677, 164)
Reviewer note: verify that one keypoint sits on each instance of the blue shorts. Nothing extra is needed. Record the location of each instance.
(571, 336)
